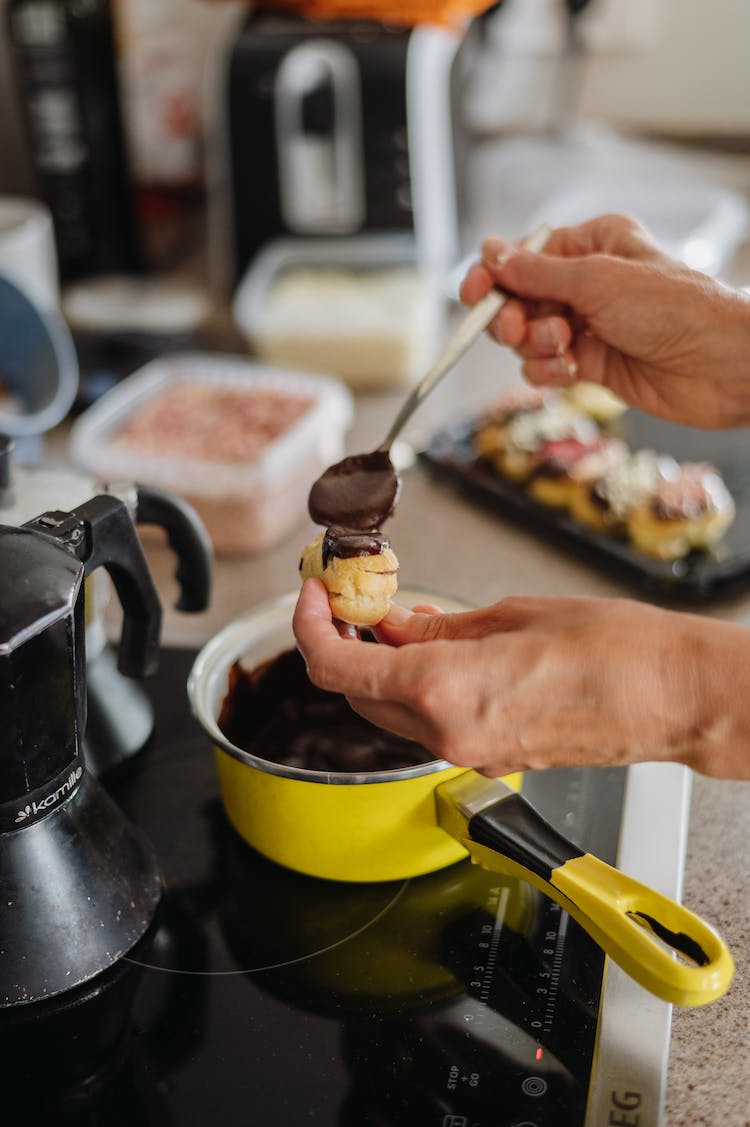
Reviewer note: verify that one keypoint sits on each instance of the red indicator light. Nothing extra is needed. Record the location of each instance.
(539, 1053)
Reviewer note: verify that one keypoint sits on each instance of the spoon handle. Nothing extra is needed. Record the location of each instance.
(472, 327)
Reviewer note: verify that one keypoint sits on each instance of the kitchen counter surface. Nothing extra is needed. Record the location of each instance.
(446, 543)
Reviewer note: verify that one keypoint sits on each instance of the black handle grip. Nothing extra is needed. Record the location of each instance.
(112, 543)
(189, 540)
(513, 828)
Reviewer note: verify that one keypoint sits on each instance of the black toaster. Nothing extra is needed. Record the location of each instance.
(339, 128)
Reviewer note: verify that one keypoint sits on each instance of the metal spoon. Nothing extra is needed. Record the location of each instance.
(361, 491)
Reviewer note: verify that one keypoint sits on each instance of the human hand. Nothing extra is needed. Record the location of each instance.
(605, 304)
(530, 683)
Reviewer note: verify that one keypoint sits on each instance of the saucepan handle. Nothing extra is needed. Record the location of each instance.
(661, 944)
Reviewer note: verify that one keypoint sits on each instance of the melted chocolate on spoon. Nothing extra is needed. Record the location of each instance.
(358, 493)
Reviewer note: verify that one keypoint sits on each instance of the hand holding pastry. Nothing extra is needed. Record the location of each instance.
(530, 683)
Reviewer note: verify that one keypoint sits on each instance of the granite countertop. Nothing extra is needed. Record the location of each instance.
(447, 543)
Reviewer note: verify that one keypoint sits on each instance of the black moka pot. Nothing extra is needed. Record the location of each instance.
(120, 717)
(79, 885)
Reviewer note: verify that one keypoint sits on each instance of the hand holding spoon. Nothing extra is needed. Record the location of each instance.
(361, 491)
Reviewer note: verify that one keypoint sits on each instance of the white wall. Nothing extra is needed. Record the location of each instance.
(691, 76)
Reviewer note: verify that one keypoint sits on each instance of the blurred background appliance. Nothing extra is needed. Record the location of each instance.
(339, 128)
(65, 70)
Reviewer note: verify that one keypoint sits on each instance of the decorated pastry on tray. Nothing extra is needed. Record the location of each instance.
(359, 570)
(563, 466)
(605, 503)
(527, 435)
(691, 510)
(558, 447)
(597, 401)
(489, 434)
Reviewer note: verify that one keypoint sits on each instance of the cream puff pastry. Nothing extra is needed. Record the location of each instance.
(692, 511)
(359, 570)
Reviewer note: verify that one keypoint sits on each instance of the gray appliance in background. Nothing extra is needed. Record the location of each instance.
(337, 129)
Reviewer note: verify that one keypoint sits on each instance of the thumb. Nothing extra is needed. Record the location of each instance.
(544, 277)
(401, 626)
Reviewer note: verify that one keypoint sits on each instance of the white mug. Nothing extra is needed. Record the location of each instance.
(40, 365)
(27, 250)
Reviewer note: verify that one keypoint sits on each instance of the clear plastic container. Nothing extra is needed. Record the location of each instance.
(357, 307)
(247, 503)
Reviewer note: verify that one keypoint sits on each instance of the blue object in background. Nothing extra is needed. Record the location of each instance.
(38, 365)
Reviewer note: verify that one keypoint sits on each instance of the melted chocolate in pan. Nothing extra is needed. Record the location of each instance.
(275, 712)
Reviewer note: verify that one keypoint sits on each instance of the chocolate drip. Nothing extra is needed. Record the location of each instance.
(346, 543)
(276, 713)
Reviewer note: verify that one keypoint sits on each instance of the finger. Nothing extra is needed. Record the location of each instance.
(498, 769)
(328, 657)
(401, 625)
(510, 326)
(313, 623)
(345, 629)
(476, 284)
(547, 336)
(397, 629)
(312, 603)
(404, 629)
(576, 282)
(394, 717)
(553, 371)
(403, 722)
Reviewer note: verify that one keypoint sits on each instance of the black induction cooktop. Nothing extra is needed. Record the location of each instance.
(263, 997)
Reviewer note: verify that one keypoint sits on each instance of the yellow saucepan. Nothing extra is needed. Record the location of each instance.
(381, 826)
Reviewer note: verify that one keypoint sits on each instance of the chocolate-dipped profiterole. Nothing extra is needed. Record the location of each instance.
(359, 571)
(275, 712)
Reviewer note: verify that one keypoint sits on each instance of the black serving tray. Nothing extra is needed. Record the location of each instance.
(701, 575)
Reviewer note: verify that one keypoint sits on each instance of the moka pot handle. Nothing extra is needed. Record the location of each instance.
(100, 533)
